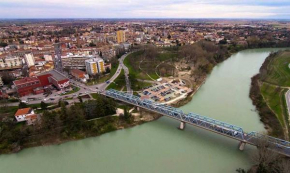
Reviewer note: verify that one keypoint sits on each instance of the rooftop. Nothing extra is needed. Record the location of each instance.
(25, 80)
(55, 74)
(78, 72)
(23, 111)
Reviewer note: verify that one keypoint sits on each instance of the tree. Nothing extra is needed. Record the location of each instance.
(108, 70)
(80, 99)
(43, 105)
(92, 45)
(127, 115)
(48, 120)
(22, 105)
(7, 78)
(223, 41)
(3, 44)
(265, 160)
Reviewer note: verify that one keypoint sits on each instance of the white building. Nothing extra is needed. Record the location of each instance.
(48, 58)
(10, 63)
(29, 59)
(24, 114)
(94, 66)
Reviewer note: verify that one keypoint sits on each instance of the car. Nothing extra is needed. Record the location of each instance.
(107, 82)
(51, 98)
(24, 101)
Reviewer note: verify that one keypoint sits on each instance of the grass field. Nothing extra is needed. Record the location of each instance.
(8, 110)
(136, 60)
(278, 71)
(275, 99)
(119, 82)
(132, 63)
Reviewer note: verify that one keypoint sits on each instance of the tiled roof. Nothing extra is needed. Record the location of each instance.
(23, 111)
(26, 80)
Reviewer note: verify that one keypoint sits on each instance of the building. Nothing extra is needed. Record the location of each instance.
(75, 61)
(94, 66)
(26, 114)
(10, 63)
(48, 57)
(80, 75)
(28, 85)
(55, 78)
(121, 36)
(29, 59)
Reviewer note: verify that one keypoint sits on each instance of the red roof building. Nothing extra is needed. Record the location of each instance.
(53, 77)
(80, 75)
(28, 85)
(26, 114)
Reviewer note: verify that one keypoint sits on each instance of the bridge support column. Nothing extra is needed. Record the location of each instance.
(242, 145)
(182, 125)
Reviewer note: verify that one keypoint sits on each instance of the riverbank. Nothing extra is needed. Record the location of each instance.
(55, 138)
(268, 93)
(268, 118)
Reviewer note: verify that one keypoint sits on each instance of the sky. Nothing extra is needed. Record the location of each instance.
(261, 9)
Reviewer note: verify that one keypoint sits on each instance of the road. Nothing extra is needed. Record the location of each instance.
(287, 97)
(53, 98)
(126, 72)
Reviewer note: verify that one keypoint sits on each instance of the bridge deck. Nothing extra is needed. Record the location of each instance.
(216, 126)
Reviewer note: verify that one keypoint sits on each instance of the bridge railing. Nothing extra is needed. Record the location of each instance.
(275, 144)
(203, 121)
(216, 125)
(269, 139)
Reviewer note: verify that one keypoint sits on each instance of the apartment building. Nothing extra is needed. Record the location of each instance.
(95, 65)
(10, 63)
(29, 59)
(121, 36)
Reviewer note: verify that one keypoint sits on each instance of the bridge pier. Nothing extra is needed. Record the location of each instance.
(242, 145)
(182, 125)
(137, 108)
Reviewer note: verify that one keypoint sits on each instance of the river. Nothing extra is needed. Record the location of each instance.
(159, 146)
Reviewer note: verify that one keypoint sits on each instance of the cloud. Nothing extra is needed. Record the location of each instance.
(144, 9)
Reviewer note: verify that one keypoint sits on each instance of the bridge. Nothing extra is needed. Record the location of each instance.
(216, 126)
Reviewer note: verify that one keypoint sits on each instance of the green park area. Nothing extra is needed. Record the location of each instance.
(278, 70)
(146, 64)
(119, 83)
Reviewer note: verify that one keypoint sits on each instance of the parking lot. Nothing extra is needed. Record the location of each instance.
(165, 92)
